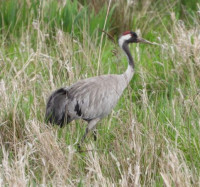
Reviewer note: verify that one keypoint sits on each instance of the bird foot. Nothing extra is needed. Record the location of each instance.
(95, 138)
(79, 147)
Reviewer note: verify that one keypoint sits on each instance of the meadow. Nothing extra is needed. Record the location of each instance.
(151, 138)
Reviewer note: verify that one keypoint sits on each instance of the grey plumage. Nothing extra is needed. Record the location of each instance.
(55, 110)
(93, 98)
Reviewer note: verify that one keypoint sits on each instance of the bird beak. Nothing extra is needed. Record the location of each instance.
(141, 40)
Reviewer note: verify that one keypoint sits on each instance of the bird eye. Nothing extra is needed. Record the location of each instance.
(134, 35)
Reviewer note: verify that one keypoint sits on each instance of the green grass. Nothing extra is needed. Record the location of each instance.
(150, 139)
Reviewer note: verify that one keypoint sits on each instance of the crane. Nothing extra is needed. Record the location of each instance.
(93, 98)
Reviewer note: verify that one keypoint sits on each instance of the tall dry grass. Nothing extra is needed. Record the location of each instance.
(150, 139)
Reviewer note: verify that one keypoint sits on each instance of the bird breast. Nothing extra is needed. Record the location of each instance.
(94, 97)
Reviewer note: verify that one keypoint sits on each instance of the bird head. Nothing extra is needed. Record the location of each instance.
(131, 37)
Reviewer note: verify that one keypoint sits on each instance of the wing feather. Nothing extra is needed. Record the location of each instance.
(95, 96)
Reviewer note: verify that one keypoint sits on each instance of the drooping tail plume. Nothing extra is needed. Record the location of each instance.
(56, 107)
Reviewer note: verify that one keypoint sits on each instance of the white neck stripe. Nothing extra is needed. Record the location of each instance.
(123, 38)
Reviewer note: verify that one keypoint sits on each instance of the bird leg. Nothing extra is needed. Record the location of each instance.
(90, 126)
(95, 134)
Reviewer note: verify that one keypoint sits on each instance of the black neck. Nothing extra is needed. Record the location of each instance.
(127, 51)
